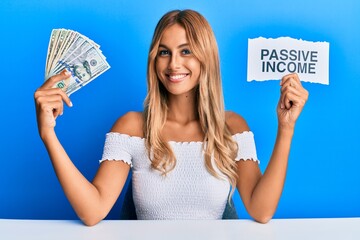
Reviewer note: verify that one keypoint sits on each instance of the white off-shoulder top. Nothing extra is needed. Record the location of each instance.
(189, 191)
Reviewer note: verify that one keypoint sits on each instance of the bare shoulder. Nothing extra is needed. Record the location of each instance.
(235, 122)
(130, 123)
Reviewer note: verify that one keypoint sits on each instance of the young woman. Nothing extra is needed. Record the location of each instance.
(187, 154)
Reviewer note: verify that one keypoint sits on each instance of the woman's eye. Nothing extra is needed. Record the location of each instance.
(163, 52)
(186, 51)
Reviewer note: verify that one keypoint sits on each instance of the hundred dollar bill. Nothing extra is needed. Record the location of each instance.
(79, 47)
(84, 69)
(72, 48)
(68, 40)
(78, 54)
(53, 39)
(58, 45)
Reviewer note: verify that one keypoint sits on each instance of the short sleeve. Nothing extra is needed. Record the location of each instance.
(117, 147)
(246, 146)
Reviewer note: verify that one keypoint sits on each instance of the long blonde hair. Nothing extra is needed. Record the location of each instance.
(219, 147)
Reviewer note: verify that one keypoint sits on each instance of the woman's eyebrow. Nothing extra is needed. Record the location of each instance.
(180, 46)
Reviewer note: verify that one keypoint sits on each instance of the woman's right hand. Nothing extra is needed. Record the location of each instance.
(49, 103)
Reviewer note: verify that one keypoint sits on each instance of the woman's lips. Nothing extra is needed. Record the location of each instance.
(177, 77)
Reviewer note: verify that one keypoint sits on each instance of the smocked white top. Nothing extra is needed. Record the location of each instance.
(189, 191)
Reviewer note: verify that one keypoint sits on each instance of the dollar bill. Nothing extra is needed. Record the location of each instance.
(53, 39)
(77, 54)
(58, 45)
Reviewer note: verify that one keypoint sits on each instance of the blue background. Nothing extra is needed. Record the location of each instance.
(322, 180)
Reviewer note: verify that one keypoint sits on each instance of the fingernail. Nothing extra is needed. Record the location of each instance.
(281, 105)
(70, 104)
(61, 113)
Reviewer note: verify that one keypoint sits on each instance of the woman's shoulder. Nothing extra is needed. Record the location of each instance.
(131, 123)
(235, 122)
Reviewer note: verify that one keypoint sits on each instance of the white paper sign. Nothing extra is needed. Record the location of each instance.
(271, 59)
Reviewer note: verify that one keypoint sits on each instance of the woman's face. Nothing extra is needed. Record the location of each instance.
(176, 67)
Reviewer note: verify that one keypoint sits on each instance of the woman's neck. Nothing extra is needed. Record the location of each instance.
(182, 109)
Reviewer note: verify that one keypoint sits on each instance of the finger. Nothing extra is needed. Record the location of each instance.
(290, 99)
(58, 108)
(290, 82)
(286, 88)
(286, 100)
(53, 103)
(298, 90)
(289, 86)
(56, 78)
(285, 91)
(292, 77)
(293, 94)
(293, 84)
(293, 80)
(52, 108)
(53, 91)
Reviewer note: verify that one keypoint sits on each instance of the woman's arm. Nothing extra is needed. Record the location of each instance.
(91, 201)
(261, 193)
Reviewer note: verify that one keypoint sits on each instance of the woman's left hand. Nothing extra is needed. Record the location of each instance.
(292, 100)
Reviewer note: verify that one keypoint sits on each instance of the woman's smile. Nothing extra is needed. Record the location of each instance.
(176, 77)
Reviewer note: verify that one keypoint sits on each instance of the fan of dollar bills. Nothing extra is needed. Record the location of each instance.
(78, 54)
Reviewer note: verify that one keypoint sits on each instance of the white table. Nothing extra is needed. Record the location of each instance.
(289, 229)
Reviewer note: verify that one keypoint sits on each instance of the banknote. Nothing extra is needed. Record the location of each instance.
(77, 54)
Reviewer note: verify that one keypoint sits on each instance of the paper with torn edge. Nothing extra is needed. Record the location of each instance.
(271, 59)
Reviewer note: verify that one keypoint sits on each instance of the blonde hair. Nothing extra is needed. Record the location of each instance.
(219, 147)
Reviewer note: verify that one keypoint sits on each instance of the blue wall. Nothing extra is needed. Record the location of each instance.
(323, 179)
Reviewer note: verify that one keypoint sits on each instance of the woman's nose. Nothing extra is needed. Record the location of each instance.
(174, 62)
